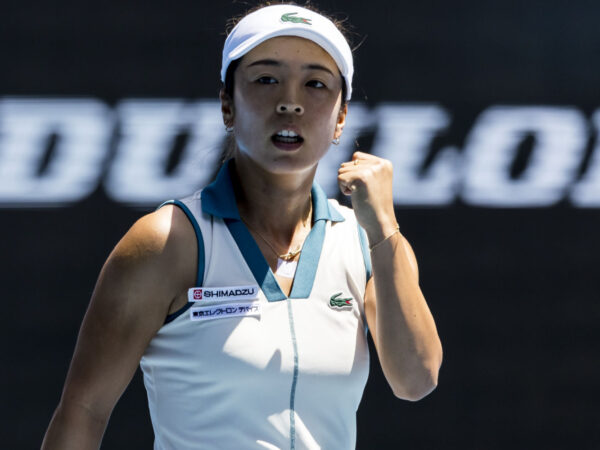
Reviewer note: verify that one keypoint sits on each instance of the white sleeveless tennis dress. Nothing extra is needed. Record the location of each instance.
(242, 366)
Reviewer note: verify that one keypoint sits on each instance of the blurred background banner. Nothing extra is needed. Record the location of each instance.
(490, 113)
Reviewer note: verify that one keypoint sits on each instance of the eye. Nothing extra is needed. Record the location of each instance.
(266, 80)
(316, 84)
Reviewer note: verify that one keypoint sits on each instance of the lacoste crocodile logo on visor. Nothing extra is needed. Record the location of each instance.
(290, 17)
(336, 302)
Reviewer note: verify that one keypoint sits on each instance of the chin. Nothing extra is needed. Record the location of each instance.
(287, 166)
(281, 162)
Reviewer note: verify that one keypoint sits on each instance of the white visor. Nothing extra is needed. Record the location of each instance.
(289, 20)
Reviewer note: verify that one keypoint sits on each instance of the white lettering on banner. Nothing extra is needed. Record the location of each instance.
(586, 193)
(140, 173)
(82, 127)
(404, 136)
(560, 138)
(148, 130)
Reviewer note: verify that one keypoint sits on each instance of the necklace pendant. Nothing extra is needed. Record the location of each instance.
(290, 255)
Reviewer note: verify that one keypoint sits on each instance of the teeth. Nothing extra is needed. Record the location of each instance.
(287, 133)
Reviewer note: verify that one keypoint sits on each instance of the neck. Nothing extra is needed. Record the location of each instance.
(276, 205)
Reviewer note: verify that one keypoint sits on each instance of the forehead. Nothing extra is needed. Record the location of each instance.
(290, 49)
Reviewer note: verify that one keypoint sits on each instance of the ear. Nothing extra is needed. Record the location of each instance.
(227, 109)
(341, 121)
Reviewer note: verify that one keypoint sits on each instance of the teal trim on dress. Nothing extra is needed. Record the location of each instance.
(294, 379)
(176, 314)
(311, 250)
(364, 246)
(255, 260)
(218, 199)
(322, 209)
(309, 261)
(201, 252)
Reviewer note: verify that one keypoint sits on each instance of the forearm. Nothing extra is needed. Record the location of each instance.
(74, 427)
(398, 316)
(407, 342)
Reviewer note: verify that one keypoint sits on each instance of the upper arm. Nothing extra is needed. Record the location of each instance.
(148, 268)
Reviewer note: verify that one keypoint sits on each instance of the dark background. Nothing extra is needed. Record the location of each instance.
(513, 291)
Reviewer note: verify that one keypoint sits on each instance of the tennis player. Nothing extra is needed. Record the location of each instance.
(248, 303)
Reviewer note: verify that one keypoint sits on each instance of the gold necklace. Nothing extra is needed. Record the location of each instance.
(290, 254)
(286, 256)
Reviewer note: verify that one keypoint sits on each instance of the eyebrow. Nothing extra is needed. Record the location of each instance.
(273, 62)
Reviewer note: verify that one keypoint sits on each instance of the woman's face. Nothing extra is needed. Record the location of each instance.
(286, 107)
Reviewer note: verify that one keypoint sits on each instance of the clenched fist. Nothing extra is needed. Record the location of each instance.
(368, 180)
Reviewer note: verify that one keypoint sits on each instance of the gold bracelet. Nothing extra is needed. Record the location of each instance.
(397, 230)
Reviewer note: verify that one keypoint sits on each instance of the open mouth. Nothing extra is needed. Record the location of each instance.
(287, 137)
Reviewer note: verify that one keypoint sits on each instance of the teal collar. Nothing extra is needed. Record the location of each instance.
(218, 199)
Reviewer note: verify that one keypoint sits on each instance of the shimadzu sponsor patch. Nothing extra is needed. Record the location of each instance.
(222, 294)
(222, 311)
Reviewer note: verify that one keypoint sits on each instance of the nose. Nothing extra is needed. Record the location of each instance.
(293, 108)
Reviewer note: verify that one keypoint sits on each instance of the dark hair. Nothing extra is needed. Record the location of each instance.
(228, 85)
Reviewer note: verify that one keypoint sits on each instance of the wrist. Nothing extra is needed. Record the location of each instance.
(373, 244)
(381, 229)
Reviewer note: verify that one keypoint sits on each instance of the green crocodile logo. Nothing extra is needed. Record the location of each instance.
(336, 302)
(290, 17)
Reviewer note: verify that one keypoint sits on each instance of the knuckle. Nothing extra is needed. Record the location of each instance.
(360, 180)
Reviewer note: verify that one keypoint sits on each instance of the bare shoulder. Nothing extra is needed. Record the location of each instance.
(150, 267)
(158, 250)
(162, 239)
(159, 233)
